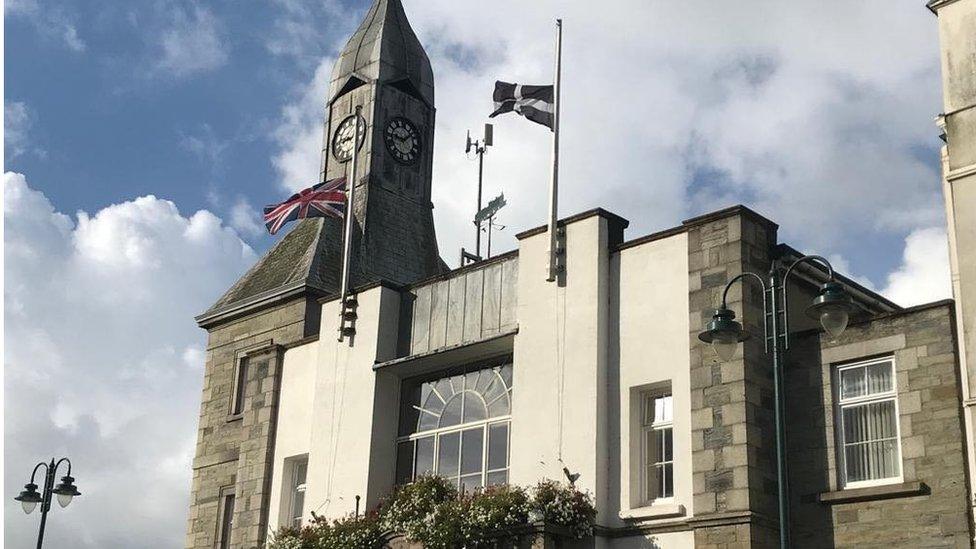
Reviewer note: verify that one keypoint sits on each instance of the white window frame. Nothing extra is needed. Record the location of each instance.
(485, 424)
(296, 518)
(840, 404)
(647, 398)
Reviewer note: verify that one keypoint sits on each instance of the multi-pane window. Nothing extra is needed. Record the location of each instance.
(657, 448)
(240, 383)
(296, 506)
(457, 427)
(867, 405)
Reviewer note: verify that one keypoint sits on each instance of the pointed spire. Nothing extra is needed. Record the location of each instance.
(385, 49)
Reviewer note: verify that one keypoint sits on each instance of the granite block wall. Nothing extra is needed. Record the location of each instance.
(927, 509)
(731, 402)
(234, 451)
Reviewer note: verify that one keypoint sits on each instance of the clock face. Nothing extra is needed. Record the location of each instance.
(342, 139)
(402, 140)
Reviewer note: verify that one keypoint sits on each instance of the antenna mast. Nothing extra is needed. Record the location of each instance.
(480, 147)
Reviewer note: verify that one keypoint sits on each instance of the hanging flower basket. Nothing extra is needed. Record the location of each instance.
(430, 514)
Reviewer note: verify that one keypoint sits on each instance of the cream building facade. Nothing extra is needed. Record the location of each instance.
(491, 374)
(957, 21)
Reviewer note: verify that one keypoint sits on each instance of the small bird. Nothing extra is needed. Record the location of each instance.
(571, 477)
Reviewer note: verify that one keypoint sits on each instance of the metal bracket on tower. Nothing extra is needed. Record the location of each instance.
(347, 318)
(560, 255)
(468, 258)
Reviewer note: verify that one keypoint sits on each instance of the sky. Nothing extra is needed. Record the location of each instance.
(142, 138)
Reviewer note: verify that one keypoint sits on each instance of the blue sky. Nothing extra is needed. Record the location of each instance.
(141, 138)
(114, 121)
(114, 112)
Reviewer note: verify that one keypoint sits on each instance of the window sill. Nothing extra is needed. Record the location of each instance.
(659, 511)
(234, 417)
(887, 491)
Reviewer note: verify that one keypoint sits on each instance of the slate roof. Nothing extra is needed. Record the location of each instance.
(307, 256)
(384, 49)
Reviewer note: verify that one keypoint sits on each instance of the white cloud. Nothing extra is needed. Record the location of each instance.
(16, 125)
(299, 133)
(192, 43)
(205, 145)
(245, 219)
(50, 21)
(924, 272)
(103, 362)
(814, 118)
(300, 29)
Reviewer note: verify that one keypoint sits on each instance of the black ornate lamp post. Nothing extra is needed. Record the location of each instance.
(65, 491)
(832, 308)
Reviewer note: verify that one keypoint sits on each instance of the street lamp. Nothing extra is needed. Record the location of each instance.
(832, 307)
(65, 490)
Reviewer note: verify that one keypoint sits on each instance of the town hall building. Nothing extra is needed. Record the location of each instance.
(491, 374)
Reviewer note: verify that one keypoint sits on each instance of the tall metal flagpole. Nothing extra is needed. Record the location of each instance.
(554, 180)
(347, 237)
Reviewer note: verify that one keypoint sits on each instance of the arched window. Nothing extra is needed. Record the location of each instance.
(457, 427)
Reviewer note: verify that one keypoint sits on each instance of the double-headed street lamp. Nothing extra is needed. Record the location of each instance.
(832, 308)
(65, 491)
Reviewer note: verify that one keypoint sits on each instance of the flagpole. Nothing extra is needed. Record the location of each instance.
(554, 180)
(347, 237)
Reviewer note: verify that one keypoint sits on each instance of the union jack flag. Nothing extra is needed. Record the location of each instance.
(324, 199)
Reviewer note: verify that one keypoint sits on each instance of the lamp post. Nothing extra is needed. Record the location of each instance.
(66, 490)
(832, 308)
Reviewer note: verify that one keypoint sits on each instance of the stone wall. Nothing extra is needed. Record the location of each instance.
(235, 451)
(731, 402)
(929, 508)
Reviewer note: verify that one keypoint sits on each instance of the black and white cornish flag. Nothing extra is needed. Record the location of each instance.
(532, 102)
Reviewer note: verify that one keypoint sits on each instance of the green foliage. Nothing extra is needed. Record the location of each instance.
(556, 503)
(499, 507)
(345, 533)
(293, 538)
(409, 508)
(444, 526)
(493, 511)
(431, 511)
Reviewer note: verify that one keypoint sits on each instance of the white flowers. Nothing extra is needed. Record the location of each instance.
(431, 511)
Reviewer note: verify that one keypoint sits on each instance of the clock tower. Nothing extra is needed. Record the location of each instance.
(384, 69)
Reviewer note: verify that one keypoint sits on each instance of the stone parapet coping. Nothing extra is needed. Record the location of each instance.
(888, 491)
(614, 220)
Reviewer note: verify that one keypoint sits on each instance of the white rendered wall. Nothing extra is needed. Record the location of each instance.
(293, 434)
(957, 21)
(335, 408)
(649, 347)
(559, 416)
(620, 321)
